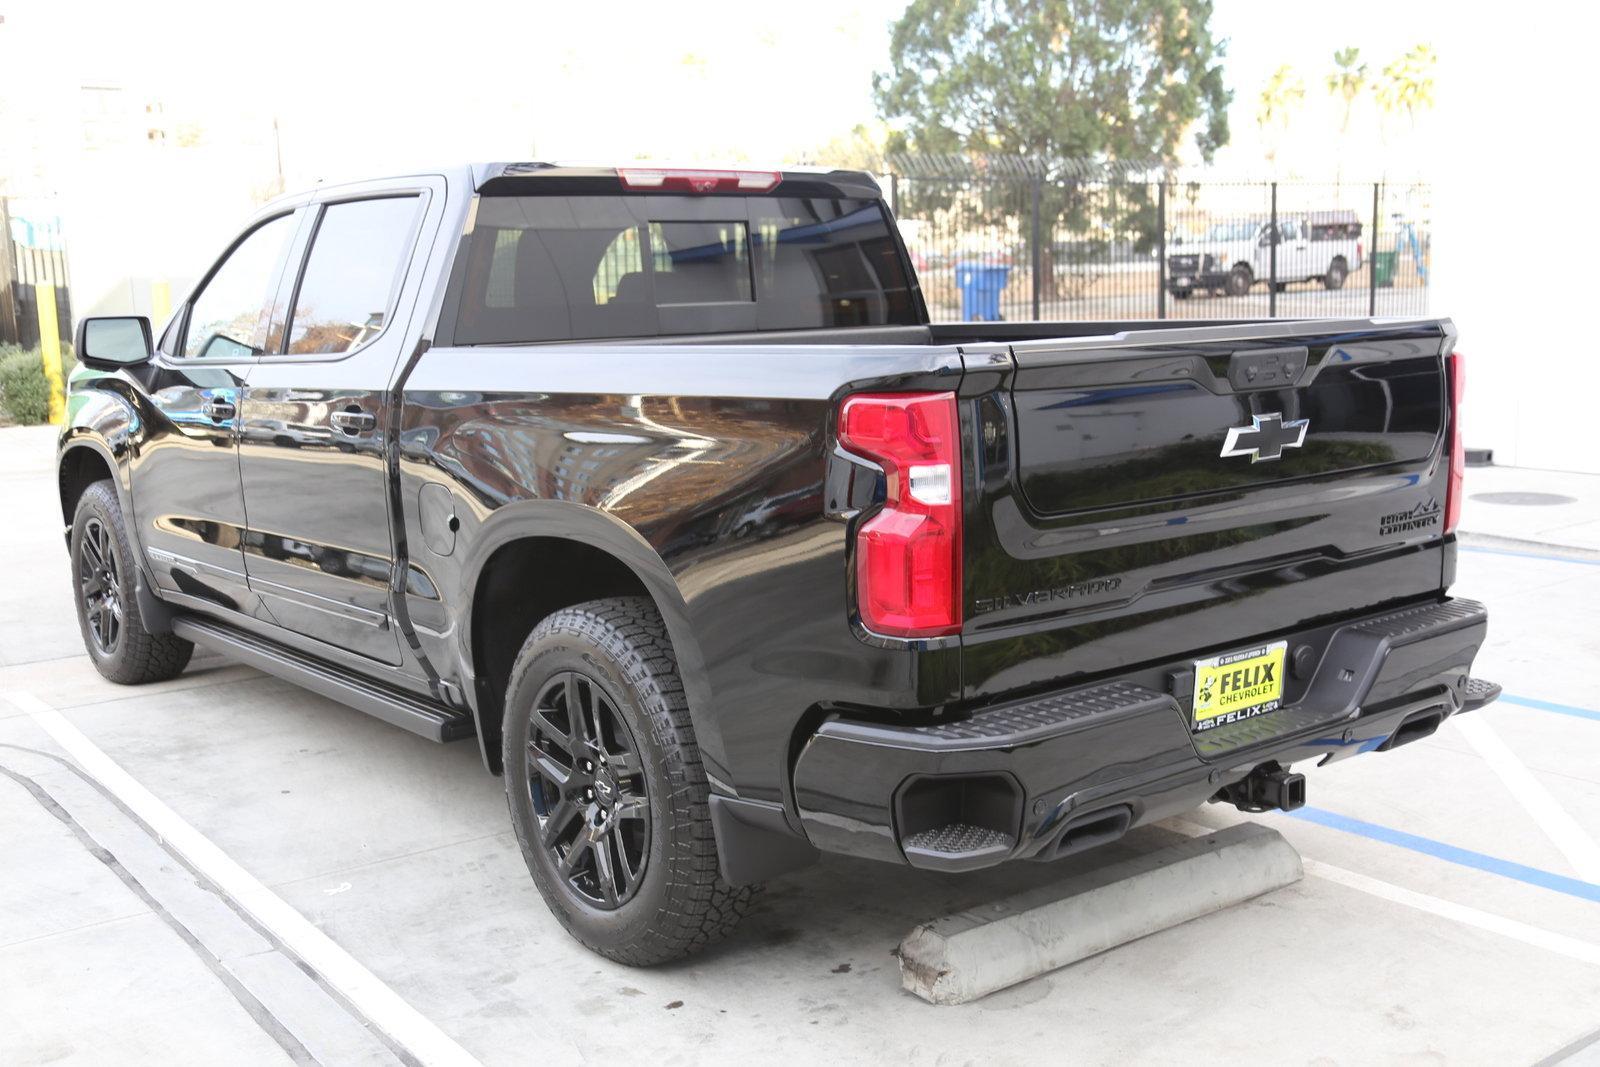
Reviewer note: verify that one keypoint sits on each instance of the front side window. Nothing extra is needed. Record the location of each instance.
(352, 273)
(228, 320)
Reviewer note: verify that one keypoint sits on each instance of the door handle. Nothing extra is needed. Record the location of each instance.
(218, 410)
(353, 421)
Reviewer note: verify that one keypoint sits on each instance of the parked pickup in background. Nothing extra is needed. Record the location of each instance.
(1322, 246)
(660, 485)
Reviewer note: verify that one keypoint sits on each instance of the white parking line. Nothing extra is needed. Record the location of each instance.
(1570, 947)
(1517, 931)
(381, 1006)
(1561, 828)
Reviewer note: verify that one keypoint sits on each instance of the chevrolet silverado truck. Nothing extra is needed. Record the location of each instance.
(660, 486)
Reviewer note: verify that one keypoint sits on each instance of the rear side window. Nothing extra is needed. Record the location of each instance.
(559, 268)
(348, 289)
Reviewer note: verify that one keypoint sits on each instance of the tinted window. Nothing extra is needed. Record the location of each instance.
(551, 268)
(228, 319)
(348, 290)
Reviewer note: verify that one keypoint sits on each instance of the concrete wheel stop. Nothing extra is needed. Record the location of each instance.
(963, 957)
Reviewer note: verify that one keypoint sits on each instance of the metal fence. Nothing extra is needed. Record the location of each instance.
(1018, 243)
(32, 255)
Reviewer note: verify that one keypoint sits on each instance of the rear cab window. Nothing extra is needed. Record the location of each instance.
(562, 267)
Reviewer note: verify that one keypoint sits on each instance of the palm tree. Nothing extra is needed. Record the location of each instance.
(1346, 82)
(1284, 92)
(1407, 84)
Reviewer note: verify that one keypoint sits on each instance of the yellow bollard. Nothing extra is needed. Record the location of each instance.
(160, 303)
(50, 350)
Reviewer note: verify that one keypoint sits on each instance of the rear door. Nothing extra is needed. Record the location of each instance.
(1157, 493)
(314, 421)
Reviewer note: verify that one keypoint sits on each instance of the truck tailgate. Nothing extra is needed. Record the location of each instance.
(1165, 492)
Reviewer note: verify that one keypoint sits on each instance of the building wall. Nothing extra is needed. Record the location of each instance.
(1515, 236)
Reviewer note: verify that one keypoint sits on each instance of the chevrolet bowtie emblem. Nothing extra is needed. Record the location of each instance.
(1265, 438)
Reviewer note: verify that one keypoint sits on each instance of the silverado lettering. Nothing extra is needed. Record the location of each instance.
(1044, 596)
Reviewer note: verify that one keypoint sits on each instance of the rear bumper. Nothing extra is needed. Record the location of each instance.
(1208, 279)
(1057, 773)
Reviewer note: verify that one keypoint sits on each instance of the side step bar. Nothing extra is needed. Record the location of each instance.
(421, 716)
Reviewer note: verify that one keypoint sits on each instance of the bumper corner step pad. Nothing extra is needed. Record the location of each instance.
(957, 846)
(394, 706)
(1479, 691)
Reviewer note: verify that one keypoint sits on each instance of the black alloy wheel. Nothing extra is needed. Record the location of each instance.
(100, 586)
(587, 785)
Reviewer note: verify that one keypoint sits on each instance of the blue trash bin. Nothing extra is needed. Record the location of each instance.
(981, 285)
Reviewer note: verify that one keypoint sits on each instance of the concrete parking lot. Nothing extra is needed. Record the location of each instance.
(1450, 913)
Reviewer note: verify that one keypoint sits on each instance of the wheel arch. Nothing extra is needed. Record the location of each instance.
(585, 554)
(82, 460)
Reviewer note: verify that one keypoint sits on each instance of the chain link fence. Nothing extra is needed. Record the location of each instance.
(1011, 239)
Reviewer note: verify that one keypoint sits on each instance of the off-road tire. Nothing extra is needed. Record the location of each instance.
(681, 903)
(138, 656)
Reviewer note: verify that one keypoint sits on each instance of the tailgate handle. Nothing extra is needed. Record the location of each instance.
(1266, 368)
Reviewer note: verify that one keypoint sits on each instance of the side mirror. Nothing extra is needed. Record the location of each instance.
(110, 342)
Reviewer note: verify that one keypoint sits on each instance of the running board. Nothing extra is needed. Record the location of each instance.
(395, 706)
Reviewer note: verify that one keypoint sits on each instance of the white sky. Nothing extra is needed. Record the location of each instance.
(360, 86)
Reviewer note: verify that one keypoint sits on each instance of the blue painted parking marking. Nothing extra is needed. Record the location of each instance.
(1531, 555)
(1550, 705)
(1573, 887)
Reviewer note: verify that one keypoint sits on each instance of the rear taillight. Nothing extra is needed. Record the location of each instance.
(908, 556)
(1456, 367)
(699, 181)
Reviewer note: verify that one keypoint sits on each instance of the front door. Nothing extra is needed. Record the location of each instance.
(314, 428)
(186, 494)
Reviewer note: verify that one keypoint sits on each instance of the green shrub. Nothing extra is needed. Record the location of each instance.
(24, 392)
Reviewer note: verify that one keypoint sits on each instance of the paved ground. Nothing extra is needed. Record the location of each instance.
(1551, 508)
(1451, 911)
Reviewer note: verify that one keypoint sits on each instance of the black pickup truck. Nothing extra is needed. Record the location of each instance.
(661, 485)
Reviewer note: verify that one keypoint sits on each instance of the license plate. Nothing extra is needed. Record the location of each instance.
(1185, 282)
(1238, 685)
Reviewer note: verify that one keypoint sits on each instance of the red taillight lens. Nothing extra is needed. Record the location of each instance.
(908, 556)
(1457, 369)
(699, 181)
